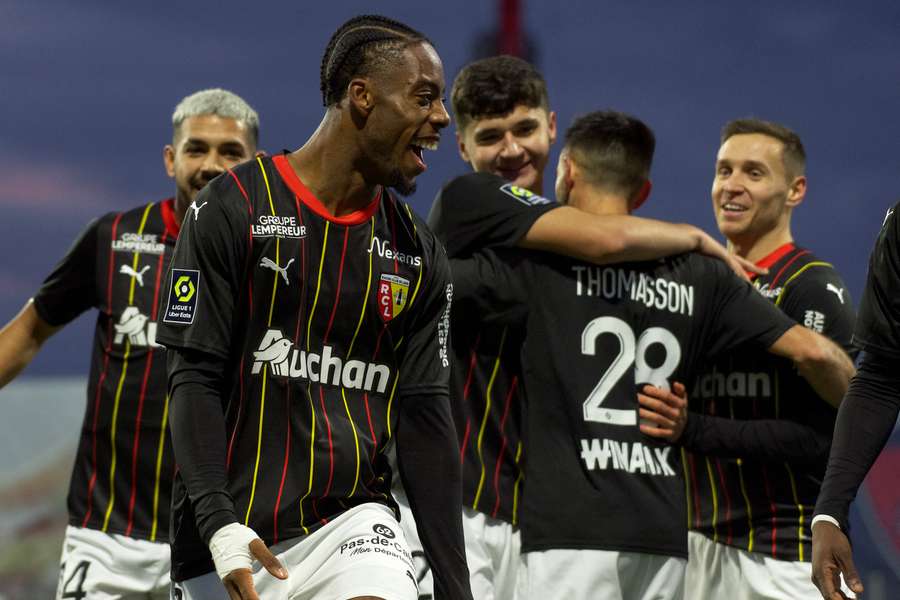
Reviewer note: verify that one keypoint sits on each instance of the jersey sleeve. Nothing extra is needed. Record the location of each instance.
(739, 314)
(481, 210)
(493, 285)
(819, 300)
(425, 364)
(71, 288)
(206, 275)
(878, 324)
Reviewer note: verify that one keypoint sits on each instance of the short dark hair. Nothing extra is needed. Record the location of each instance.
(361, 46)
(793, 155)
(493, 87)
(613, 149)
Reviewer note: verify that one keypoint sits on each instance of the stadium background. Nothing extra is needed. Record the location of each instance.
(87, 90)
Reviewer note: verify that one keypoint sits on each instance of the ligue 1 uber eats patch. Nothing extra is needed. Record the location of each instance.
(523, 195)
(182, 304)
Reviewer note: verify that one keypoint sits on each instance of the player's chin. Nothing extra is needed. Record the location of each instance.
(403, 183)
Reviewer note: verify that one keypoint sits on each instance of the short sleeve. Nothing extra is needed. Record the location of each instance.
(740, 314)
(425, 362)
(819, 300)
(207, 272)
(482, 210)
(71, 288)
(878, 324)
(494, 285)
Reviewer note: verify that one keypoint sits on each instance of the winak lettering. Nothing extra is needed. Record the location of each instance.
(632, 457)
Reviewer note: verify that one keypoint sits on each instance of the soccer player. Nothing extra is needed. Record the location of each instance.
(757, 433)
(119, 494)
(603, 511)
(866, 417)
(504, 131)
(307, 316)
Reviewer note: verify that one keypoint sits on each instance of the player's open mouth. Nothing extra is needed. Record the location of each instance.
(733, 209)
(512, 174)
(418, 148)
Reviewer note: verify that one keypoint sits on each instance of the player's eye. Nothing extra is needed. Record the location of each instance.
(487, 140)
(525, 130)
(723, 171)
(424, 100)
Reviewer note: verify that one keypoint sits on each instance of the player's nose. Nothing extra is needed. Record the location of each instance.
(440, 118)
(511, 147)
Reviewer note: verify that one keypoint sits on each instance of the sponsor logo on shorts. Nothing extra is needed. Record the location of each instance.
(377, 544)
(183, 289)
(384, 530)
(523, 195)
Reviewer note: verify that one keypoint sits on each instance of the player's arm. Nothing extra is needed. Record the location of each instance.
(20, 340)
(492, 284)
(824, 364)
(210, 259)
(665, 415)
(427, 444)
(65, 293)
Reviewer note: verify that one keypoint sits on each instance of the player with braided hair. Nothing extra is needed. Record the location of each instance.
(307, 316)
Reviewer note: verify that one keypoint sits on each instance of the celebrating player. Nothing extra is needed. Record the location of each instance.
(757, 433)
(119, 494)
(603, 510)
(505, 130)
(312, 307)
(866, 417)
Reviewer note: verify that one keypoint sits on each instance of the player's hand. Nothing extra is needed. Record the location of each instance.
(234, 547)
(741, 266)
(663, 413)
(831, 556)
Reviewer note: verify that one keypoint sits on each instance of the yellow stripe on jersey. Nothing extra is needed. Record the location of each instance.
(519, 477)
(715, 499)
(312, 454)
(159, 455)
(802, 518)
(687, 485)
(484, 418)
(262, 397)
(355, 442)
(318, 284)
(740, 464)
(391, 403)
(362, 313)
(817, 263)
(118, 396)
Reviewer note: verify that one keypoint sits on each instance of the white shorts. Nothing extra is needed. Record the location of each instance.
(600, 575)
(492, 553)
(362, 552)
(719, 571)
(107, 566)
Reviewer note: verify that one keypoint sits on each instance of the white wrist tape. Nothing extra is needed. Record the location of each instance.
(827, 519)
(230, 548)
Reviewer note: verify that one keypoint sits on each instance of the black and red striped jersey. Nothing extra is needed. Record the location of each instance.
(326, 325)
(593, 334)
(765, 503)
(122, 477)
(474, 211)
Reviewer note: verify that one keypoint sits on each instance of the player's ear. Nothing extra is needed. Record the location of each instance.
(551, 126)
(642, 195)
(461, 146)
(360, 96)
(796, 191)
(169, 159)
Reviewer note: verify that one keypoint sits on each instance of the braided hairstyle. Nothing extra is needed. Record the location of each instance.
(361, 46)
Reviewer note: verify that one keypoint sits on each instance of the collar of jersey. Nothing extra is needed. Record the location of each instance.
(167, 208)
(314, 204)
(775, 255)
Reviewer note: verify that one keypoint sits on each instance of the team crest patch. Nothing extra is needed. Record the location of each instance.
(523, 195)
(393, 292)
(182, 303)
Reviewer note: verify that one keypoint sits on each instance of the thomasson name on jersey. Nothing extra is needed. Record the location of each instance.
(615, 282)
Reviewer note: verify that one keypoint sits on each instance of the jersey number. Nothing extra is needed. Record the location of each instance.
(80, 573)
(630, 352)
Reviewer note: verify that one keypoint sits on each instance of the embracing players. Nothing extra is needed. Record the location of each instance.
(119, 494)
(757, 433)
(603, 513)
(504, 131)
(307, 317)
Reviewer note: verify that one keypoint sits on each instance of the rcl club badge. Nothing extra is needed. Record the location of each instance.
(393, 293)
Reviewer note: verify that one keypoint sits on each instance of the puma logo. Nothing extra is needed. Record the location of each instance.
(271, 264)
(839, 292)
(138, 275)
(196, 208)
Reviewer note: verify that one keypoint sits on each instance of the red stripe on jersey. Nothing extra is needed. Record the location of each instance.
(472, 361)
(695, 490)
(109, 338)
(774, 256)
(508, 402)
(394, 230)
(337, 296)
(772, 509)
(787, 264)
(140, 408)
(727, 497)
(167, 208)
(290, 178)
